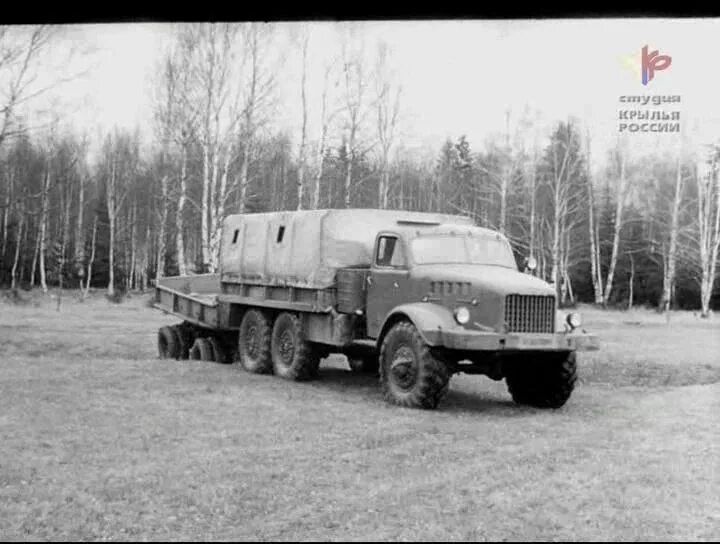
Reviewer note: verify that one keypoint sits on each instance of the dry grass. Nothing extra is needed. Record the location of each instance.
(643, 347)
(100, 440)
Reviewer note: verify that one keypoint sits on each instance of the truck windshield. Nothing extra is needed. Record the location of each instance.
(445, 249)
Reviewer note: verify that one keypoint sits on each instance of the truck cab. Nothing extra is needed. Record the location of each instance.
(457, 290)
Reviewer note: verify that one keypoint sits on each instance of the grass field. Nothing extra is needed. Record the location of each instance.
(100, 440)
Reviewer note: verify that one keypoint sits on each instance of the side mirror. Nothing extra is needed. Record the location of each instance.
(531, 263)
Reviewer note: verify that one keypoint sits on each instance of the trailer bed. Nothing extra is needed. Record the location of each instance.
(191, 298)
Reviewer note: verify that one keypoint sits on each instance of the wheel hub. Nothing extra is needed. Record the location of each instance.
(403, 368)
(286, 347)
(252, 342)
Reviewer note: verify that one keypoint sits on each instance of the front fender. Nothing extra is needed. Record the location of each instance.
(429, 319)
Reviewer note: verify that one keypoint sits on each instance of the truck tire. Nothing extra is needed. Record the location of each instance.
(410, 375)
(219, 355)
(185, 341)
(543, 384)
(293, 357)
(254, 343)
(201, 350)
(168, 343)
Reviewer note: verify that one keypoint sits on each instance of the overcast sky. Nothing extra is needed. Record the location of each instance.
(458, 77)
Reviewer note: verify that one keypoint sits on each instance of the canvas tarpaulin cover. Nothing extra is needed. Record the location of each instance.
(305, 248)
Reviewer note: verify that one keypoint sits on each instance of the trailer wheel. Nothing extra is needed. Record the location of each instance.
(219, 355)
(185, 341)
(543, 384)
(168, 343)
(409, 373)
(254, 342)
(202, 350)
(293, 357)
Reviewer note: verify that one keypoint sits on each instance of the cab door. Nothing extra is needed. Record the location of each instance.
(388, 280)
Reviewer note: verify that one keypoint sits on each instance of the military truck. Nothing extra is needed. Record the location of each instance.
(410, 297)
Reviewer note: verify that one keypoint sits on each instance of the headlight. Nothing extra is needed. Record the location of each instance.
(574, 320)
(462, 315)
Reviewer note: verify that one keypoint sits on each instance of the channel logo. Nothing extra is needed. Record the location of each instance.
(650, 62)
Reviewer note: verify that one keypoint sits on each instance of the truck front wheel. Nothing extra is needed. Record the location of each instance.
(543, 384)
(293, 357)
(410, 375)
(254, 343)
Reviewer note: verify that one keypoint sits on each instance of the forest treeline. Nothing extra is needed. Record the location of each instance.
(640, 229)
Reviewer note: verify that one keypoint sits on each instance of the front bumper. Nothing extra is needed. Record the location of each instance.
(466, 340)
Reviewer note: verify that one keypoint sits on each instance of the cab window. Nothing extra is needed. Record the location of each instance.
(390, 252)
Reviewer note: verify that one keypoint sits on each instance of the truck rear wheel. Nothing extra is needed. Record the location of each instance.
(254, 342)
(410, 375)
(543, 384)
(202, 350)
(293, 357)
(168, 343)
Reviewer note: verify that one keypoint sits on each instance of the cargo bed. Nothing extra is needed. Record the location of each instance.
(190, 298)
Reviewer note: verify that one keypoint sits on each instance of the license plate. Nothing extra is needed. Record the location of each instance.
(525, 342)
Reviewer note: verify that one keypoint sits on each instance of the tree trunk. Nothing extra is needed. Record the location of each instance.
(219, 213)
(92, 259)
(669, 276)
(618, 227)
(63, 246)
(179, 229)
(709, 239)
(505, 179)
(595, 271)
(556, 241)
(319, 173)
(244, 165)
(36, 254)
(111, 202)
(160, 268)
(349, 167)
(18, 244)
(212, 209)
(6, 213)
(303, 136)
(43, 227)
(133, 242)
(631, 281)
(533, 180)
(79, 231)
(205, 205)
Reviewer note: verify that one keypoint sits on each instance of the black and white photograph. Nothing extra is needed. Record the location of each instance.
(449, 279)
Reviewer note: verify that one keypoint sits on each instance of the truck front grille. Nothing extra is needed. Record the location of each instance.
(530, 313)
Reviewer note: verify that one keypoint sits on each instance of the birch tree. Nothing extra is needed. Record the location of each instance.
(387, 104)
(563, 181)
(594, 230)
(209, 53)
(327, 115)
(670, 260)
(620, 196)
(707, 182)
(304, 39)
(355, 96)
